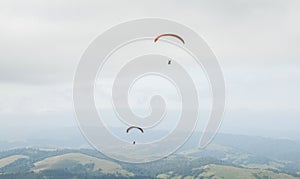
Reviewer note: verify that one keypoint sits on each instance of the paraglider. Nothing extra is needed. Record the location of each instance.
(169, 63)
(129, 128)
(172, 35)
(132, 127)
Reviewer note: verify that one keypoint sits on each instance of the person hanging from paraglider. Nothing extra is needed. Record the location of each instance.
(134, 127)
(172, 35)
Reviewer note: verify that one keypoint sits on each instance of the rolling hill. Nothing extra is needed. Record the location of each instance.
(228, 157)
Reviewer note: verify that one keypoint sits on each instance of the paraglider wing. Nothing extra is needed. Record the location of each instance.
(129, 128)
(172, 35)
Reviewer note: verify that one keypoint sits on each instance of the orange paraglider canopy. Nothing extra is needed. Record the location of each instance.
(172, 35)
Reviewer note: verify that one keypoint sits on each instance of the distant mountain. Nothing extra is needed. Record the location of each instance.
(253, 152)
(282, 149)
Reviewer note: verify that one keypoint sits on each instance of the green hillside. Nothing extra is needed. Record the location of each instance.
(216, 161)
(74, 160)
(8, 160)
(230, 172)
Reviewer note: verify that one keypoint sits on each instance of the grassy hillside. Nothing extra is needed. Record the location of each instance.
(220, 171)
(74, 160)
(226, 172)
(8, 160)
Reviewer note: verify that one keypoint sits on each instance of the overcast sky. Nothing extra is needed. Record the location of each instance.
(256, 43)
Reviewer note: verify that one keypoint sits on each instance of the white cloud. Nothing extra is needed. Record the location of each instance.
(256, 42)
